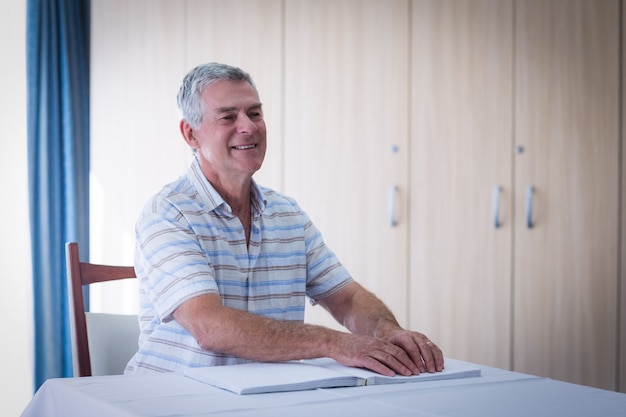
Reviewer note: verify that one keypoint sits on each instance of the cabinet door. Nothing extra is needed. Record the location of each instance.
(345, 119)
(567, 121)
(461, 213)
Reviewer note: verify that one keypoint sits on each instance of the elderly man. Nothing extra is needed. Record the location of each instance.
(225, 265)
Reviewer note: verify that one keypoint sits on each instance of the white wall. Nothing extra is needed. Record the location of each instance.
(16, 298)
(136, 146)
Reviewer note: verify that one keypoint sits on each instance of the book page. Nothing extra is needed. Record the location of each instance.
(254, 378)
(453, 369)
(257, 377)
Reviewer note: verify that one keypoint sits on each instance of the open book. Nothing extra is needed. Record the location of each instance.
(257, 377)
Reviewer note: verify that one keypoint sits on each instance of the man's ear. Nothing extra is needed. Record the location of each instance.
(188, 134)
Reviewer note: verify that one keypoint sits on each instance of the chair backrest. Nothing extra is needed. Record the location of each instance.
(80, 274)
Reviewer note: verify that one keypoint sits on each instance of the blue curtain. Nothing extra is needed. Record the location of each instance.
(57, 54)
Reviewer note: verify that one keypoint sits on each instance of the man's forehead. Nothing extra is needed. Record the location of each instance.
(227, 109)
(225, 95)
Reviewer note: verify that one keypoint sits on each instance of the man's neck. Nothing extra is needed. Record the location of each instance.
(236, 193)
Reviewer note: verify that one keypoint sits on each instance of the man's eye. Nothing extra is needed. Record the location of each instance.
(228, 117)
(256, 115)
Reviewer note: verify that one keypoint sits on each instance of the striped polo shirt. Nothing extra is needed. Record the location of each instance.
(189, 243)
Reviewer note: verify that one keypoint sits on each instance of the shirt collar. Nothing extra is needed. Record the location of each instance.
(213, 199)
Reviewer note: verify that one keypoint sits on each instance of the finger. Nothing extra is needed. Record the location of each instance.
(431, 355)
(397, 359)
(369, 362)
(439, 359)
(412, 349)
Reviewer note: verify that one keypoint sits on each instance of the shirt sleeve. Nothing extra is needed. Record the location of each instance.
(325, 274)
(169, 261)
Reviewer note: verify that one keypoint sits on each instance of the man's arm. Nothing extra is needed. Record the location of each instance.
(234, 332)
(362, 312)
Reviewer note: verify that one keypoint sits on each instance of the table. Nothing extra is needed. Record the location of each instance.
(495, 393)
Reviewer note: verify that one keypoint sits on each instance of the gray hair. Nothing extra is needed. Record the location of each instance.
(189, 98)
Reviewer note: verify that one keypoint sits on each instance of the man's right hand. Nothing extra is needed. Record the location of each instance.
(372, 353)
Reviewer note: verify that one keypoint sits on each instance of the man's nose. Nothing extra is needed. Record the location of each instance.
(245, 125)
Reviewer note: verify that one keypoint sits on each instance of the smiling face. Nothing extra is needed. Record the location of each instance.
(231, 140)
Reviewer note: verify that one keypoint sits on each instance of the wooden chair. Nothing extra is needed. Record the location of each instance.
(114, 336)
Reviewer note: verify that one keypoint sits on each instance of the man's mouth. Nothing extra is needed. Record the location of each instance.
(244, 147)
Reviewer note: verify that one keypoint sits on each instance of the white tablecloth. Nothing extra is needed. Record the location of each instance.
(495, 393)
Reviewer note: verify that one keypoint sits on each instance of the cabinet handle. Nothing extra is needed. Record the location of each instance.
(392, 206)
(529, 206)
(496, 206)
